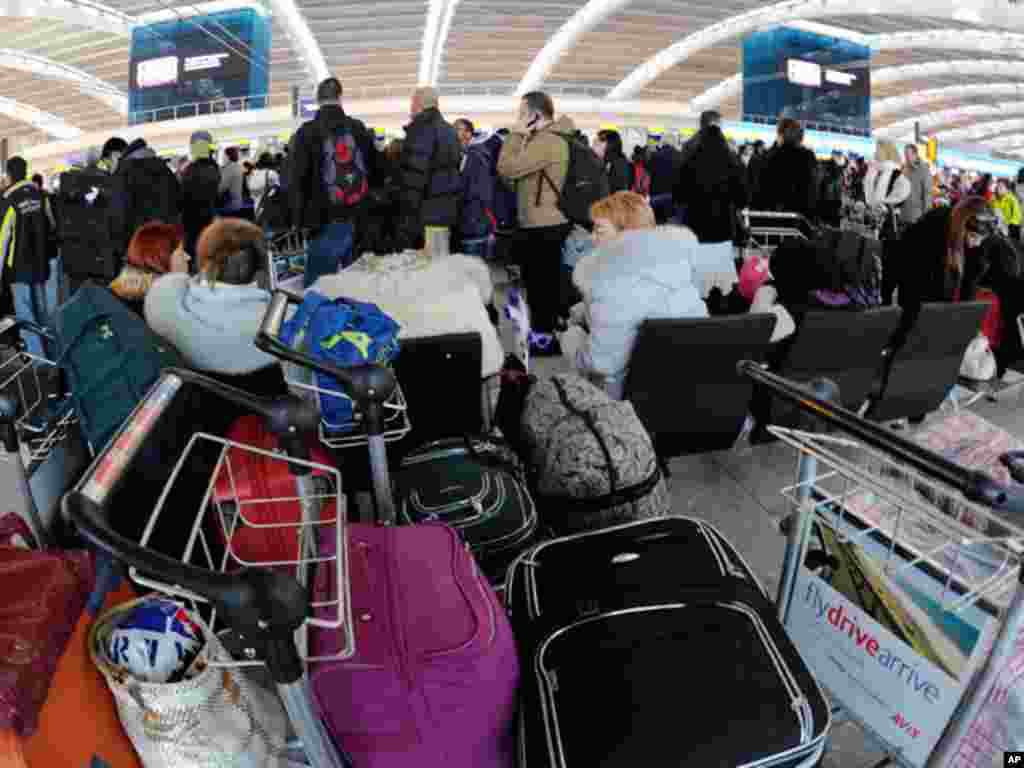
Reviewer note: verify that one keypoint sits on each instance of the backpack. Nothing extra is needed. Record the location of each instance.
(111, 359)
(345, 333)
(343, 169)
(81, 211)
(272, 213)
(857, 267)
(832, 186)
(593, 463)
(641, 180)
(585, 182)
(154, 192)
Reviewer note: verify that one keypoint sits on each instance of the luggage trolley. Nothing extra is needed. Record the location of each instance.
(151, 462)
(915, 571)
(38, 430)
(766, 230)
(286, 258)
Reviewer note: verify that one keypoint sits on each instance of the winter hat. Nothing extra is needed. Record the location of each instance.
(152, 245)
(753, 275)
(200, 145)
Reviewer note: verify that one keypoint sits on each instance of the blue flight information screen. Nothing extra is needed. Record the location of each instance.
(823, 81)
(197, 60)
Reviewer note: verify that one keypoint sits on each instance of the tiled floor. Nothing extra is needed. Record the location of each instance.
(739, 491)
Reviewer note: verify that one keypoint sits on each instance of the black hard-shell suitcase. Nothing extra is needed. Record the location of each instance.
(653, 644)
(81, 211)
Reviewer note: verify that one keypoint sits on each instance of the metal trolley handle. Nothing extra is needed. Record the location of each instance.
(266, 605)
(975, 486)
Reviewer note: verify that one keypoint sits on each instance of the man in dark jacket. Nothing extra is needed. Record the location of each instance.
(24, 249)
(200, 184)
(332, 162)
(430, 170)
(664, 165)
(789, 178)
(143, 189)
(476, 194)
(712, 185)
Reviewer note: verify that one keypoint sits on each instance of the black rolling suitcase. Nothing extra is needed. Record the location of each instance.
(653, 644)
(81, 213)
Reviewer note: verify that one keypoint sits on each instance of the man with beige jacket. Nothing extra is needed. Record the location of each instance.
(535, 158)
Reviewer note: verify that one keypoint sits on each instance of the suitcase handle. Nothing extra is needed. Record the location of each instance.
(369, 385)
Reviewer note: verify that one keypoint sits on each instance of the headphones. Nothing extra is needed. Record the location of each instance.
(245, 266)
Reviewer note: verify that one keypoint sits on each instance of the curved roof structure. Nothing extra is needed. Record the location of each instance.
(950, 64)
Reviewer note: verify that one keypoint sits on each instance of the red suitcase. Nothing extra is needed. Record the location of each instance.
(257, 477)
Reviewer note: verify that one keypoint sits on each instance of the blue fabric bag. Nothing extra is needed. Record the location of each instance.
(343, 332)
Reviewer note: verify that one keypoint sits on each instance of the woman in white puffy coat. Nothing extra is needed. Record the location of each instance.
(634, 274)
(885, 184)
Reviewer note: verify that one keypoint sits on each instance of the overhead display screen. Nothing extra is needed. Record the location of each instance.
(825, 82)
(198, 60)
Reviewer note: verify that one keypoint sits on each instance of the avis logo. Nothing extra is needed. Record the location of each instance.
(904, 725)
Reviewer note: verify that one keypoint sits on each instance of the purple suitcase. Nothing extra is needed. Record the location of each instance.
(433, 680)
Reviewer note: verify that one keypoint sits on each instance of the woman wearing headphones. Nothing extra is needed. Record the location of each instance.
(212, 318)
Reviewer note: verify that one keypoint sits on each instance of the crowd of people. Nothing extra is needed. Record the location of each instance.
(637, 251)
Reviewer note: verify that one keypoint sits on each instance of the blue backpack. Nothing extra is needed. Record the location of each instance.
(343, 332)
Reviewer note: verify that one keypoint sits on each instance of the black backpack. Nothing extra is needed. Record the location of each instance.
(272, 213)
(155, 193)
(585, 183)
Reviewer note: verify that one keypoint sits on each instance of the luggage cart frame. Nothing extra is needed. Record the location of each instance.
(771, 229)
(29, 432)
(283, 249)
(930, 513)
(267, 607)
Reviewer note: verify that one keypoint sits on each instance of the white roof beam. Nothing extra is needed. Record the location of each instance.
(42, 121)
(980, 131)
(591, 15)
(912, 101)
(44, 67)
(435, 39)
(83, 13)
(930, 121)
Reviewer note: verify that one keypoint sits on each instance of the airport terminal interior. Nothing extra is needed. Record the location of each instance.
(526, 384)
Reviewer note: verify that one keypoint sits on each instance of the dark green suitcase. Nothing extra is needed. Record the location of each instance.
(476, 485)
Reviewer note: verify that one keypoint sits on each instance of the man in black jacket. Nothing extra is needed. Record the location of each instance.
(200, 185)
(431, 154)
(332, 162)
(24, 250)
(143, 189)
(664, 167)
(789, 177)
(712, 184)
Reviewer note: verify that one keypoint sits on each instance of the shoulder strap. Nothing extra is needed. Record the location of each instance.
(544, 172)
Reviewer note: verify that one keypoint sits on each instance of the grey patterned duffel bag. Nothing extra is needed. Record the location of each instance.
(593, 463)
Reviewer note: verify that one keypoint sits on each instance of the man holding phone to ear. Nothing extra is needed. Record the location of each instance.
(535, 158)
